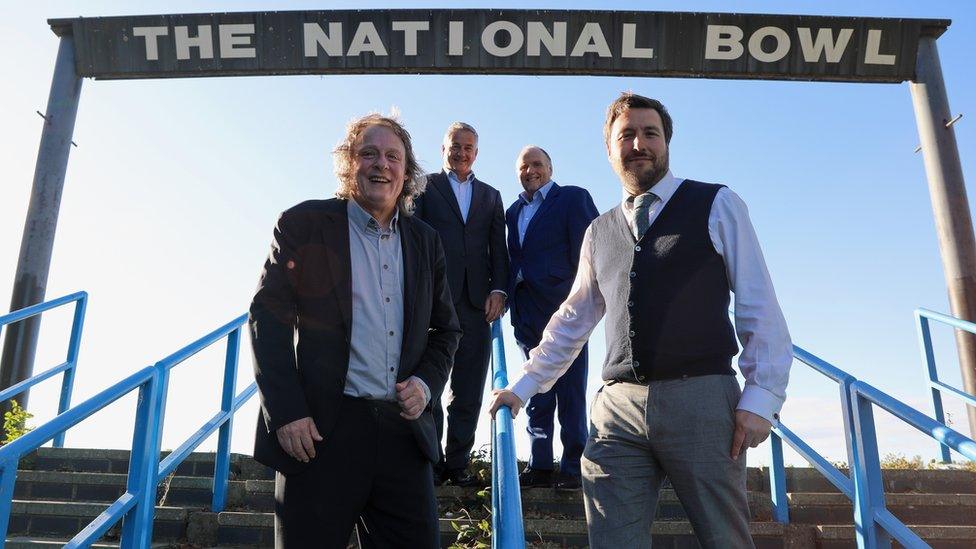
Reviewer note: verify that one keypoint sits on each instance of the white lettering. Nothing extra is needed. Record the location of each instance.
(203, 41)
(455, 38)
(410, 30)
(151, 35)
(723, 42)
(591, 40)
(782, 44)
(630, 49)
(366, 39)
(538, 35)
(315, 37)
(236, 35)
(825, 43)
(873, 56)
(489, 38)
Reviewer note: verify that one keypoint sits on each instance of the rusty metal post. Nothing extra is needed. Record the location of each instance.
(30, 281)
(950, 205)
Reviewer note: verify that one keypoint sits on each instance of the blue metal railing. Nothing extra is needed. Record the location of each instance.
(80, 299)
(506, 502)
(146, 470)
(780, 433)
(922, 317)
(876, 525)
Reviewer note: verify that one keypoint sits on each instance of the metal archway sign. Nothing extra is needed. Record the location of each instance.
(536, 42)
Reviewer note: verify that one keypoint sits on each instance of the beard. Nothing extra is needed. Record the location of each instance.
(638, 180)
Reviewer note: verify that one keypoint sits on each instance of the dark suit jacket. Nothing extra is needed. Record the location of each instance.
(548, 257)
(306, 286)
(475, 250)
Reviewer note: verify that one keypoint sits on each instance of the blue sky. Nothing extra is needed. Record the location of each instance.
(172, 192)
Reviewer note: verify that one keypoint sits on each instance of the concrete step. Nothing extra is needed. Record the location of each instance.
(257, 530)
(243, 467)
(931, 509)
(939, 537)
(44, 543)
(65, 519)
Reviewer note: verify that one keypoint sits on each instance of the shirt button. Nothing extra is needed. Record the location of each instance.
(391, 369)
(636, 364)
(633, 274)
(637, 248)
(629, 303)
(391, 332)
(386, 266)
(387, 300)
(632, 334)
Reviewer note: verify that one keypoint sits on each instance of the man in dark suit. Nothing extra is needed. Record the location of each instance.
(545, 230)
(469, 216)
(346, 420)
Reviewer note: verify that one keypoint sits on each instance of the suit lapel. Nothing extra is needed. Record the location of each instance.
(443, 186)
(479, 197)
(512, 222)
(409, 244)
(543, 208)
(335, 230)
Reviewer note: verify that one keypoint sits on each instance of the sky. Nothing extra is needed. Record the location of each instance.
(175, 185)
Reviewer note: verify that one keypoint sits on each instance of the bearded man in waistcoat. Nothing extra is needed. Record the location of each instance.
(661, 267)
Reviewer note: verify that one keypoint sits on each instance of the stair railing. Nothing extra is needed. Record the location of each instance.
(137, 505)
(80, 299)
(780, 433)
(508, 530)
(875, 525)
(922, 317)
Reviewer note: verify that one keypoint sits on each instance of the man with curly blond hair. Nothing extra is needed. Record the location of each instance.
(345, 417)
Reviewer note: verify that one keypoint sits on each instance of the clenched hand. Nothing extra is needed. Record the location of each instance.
(494, 305)
(411, 397)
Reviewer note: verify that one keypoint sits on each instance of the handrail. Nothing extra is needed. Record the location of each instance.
(780, 433)
(146, 469)
(506, 501)
(80, 299)
(875, 525)
(922, 317)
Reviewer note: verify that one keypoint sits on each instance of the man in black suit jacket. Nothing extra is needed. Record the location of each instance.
(469, 216)
(346, 420)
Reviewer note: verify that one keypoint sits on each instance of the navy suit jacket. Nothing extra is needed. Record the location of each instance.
(547, 258)
(475, 250)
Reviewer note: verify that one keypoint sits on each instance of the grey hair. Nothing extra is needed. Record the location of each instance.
(460, 126)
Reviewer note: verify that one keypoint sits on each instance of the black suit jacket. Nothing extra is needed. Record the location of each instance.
(306, 286)
(475, 250)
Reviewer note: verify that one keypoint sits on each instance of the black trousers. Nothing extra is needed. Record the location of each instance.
(369, 470)
(467, 385)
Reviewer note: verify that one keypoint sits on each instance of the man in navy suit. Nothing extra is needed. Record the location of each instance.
(545, 230)
(469, 216)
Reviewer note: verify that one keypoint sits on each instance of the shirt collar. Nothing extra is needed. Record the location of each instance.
(453, 177)
(362, 219)
(663, 189)
(543, 192)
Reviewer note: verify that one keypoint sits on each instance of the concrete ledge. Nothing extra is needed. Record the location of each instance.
(83, 510)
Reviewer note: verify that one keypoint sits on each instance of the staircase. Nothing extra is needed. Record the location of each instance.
(59, 490)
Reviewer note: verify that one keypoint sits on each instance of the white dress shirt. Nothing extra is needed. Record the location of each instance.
(767, 351)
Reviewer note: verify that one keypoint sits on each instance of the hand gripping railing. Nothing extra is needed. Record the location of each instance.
(136, 505)
(876, 525)
(780, 433)
(508, 531)
(80, 299)
(922, 317)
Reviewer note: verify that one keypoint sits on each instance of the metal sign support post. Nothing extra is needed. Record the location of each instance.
(950, 205)
(30, 281)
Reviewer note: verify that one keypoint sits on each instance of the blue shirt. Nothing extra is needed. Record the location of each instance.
(462, 191)
(529, 207)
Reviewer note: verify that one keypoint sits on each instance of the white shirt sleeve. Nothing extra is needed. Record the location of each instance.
(567, 330)
(767, 352)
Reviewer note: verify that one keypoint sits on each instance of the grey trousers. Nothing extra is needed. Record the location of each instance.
(679, 429)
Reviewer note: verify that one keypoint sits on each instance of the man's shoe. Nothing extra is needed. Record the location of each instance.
(567, 483)
(535, 478)
(461, 478)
